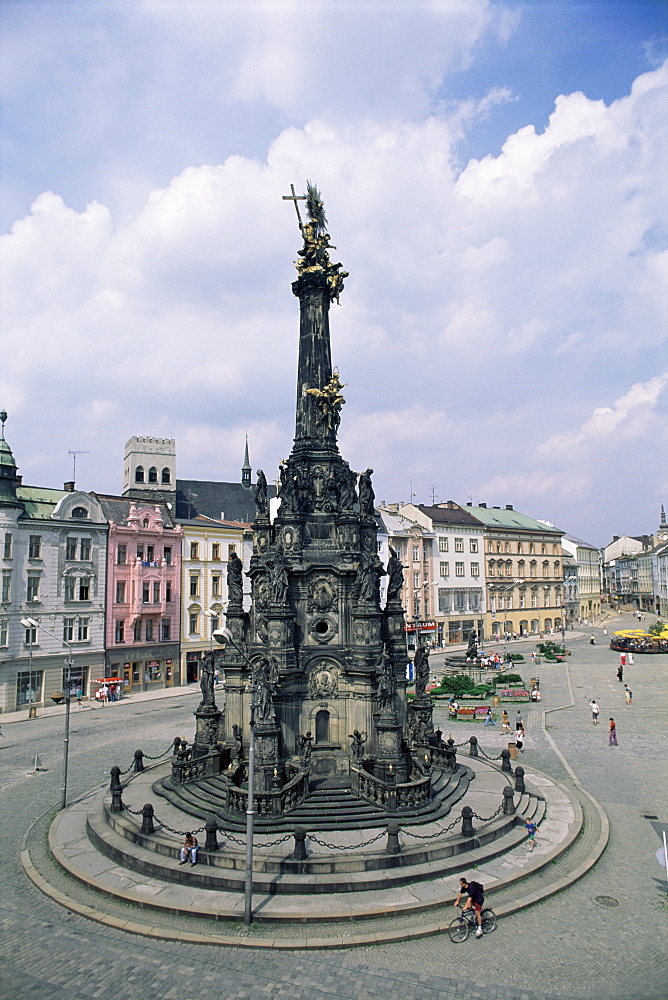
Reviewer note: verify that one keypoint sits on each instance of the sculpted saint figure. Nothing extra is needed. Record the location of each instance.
(261, 502)
(206, 673)
(359, 740)
(304, 747)
(329, 402)
(395, 572)
(235, 586)
(366, 494)
(279, 579)
(266, 682)
(387, 682)
(369, 571)
(421, 665)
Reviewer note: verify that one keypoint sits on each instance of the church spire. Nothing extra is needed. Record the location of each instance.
(246, 469)
(9, 479)
(319, 399)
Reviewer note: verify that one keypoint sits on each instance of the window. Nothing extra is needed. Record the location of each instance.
(416, 553)
(82, 634)
(193, 623)
(416, 580)
(33, 588)
(475, 569)
(215, 623)
(156, 592)
(546, 568)
(150, 553)
(194, 550)
(80, 513)
(443, 601)
(8, 545)
(474, 601)
(473, 544)
(31, 636)
(35, 547)
(168, 590)
(85, 550)
(215, 550)
(71, 548)
(68, 593)
(459, 569)
(68, 629)
(140, 552)
(231, 548)
(4, 631)
(416, 607)
(509, 568)
(149, 630)
(490, 571)
(6, 588)
(520, 567)
(459, 544)
(532, 568)
(166, 475)
(530, 548)
(215, 585)
(139, 474)
(426, 546)
(145, 592)
(523, 601)
(166, 629)
(136, 630)
(144, 523)
(84, 589)
(119, 633)
(121, 555)
(534, 599)
(498, 546)
(519, 548)
(28, 687)
(167, 552)
(153, 474)
(194, 586)
(543, 548)
(444, 569)
(120, 592)
(442, 544)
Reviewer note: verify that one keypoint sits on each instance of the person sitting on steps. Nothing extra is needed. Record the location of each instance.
(189, 850)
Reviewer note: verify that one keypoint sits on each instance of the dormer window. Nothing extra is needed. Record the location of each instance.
(139, 474)
(80, 513)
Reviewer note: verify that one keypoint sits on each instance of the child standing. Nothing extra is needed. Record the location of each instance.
(531, 829)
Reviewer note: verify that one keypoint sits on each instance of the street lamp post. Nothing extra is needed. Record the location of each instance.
(66, 691)
(32, 710)
(222, 637)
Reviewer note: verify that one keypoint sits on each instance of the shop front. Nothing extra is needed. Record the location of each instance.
(427, 632)
(146, 668)
(192, 665)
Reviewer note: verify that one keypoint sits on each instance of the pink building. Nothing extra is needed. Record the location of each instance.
(143, 594)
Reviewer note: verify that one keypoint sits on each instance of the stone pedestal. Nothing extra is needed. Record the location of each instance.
(420, 722)
(267, 760)
(208, 727)
(389, 761)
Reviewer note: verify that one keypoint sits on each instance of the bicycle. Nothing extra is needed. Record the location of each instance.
(461, 926)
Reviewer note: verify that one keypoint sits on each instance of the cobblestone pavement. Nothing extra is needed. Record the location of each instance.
(566, 947)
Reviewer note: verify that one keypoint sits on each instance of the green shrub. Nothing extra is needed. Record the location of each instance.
(508, 679)
(549, 648)
(457, 685)
(517, 657)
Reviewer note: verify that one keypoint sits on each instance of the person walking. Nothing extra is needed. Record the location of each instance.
(594, 711)
(505, 728)
(519, 723)
(629, 694)
(622, 659)
(612, 736)
(489, 721)
(531, 829)
(519, 740)
(620, 673)
(592, 641)
(629, 658)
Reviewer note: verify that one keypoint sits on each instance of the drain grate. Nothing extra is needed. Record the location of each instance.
(608, 901)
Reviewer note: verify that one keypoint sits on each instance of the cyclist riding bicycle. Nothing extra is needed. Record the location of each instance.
(476, 898)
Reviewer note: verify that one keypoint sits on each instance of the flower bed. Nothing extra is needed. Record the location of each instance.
(515, 693)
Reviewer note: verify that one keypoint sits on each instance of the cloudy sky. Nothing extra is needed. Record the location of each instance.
(494, 175)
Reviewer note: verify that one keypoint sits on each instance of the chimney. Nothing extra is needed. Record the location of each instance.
(69, 486)
(509, 506)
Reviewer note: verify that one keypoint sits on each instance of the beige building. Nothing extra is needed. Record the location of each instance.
(523, 573)
(586, 599)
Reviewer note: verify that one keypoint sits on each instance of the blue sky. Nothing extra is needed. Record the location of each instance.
(495, 179)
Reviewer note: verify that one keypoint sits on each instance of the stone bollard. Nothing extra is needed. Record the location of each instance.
(467, 822)
(211, 827)
(147, 819)
(139, 760)
(505, 761)
(393, 846)
(116, 790)
(299, 852)
(508, 801)
(473, 746)
(519, 780)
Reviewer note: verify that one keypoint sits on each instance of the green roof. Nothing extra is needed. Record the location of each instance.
(39, 501)
(509, 520)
